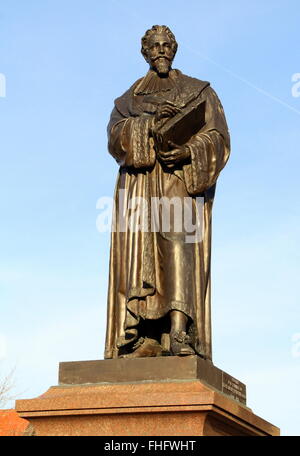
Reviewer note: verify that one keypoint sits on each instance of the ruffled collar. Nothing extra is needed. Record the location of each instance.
(153, 83)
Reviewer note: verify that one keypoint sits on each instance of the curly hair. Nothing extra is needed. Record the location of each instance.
(158, 29)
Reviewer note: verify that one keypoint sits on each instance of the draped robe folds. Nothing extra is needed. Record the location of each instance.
(152, 273)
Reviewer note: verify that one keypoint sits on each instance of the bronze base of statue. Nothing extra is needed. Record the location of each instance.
(156, 368)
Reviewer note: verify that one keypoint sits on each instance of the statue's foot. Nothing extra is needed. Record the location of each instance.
(180, 344)
(145, 348)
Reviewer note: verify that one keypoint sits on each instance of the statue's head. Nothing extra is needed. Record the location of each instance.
(159, 47)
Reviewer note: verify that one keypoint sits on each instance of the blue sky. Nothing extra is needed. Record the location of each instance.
(64, 63)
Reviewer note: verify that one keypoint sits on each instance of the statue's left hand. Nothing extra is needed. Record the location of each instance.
(177, 154)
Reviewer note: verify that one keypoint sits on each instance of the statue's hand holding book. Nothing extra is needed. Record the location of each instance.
(177, 154)
(181, 127)
(165, 110)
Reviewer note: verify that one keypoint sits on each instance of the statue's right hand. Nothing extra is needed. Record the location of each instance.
(166, 109)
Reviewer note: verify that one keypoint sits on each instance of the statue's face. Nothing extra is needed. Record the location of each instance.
(160, 53)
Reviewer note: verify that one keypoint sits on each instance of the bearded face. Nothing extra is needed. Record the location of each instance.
(160, 53)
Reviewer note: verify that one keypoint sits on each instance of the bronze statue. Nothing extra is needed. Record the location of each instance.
(159, 284)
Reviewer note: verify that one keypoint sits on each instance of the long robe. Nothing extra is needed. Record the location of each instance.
(152, 273)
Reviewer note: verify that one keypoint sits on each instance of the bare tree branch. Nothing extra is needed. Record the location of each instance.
(6, 386)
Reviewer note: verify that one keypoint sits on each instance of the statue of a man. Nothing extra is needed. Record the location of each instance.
(159, 284)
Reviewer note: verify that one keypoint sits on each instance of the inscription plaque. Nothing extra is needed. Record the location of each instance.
(233, 388)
